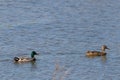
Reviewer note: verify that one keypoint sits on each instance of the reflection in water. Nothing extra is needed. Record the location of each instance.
(32, 63)
(103, 58)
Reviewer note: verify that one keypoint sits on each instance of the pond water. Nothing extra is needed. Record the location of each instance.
(61, 32)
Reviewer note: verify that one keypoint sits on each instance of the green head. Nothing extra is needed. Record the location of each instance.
(33, 54)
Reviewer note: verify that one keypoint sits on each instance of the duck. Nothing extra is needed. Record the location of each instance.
(98, 53)
(26, 59)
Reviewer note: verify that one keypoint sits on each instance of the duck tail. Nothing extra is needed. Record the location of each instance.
(16, 58)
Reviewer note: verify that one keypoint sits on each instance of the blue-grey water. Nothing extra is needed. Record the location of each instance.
(61, 31)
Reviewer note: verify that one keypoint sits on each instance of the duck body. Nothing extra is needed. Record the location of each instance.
(97, 53)
(26, 59)
(23, 59)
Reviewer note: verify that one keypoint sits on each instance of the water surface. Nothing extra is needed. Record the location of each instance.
(61, 31)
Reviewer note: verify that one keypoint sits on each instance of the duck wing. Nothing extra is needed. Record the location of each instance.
(25, 59)
(98, 53)
(93, 53)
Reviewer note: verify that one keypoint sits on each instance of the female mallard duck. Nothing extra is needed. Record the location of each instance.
(97, 53)
(24, 59)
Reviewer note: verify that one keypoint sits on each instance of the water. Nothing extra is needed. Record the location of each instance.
(61, 31)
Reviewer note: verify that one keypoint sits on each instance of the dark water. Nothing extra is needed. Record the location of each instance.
(61, 31)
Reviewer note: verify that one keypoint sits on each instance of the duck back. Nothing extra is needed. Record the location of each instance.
(95, 53)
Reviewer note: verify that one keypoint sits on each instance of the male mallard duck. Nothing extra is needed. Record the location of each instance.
(24, 59)
(97, 53)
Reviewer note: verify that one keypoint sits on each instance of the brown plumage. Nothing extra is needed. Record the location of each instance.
(97, 53)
